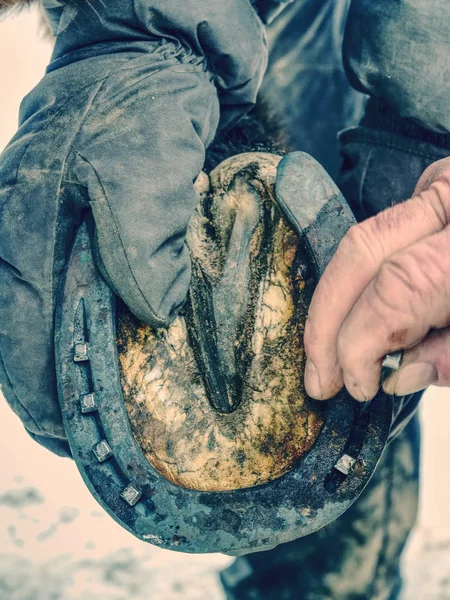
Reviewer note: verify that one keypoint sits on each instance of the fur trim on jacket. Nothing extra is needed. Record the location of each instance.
(6, 5)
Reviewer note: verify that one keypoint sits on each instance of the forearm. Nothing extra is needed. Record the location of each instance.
(398, 52)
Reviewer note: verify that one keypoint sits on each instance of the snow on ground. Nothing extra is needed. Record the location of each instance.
(427, 560)
(57, 543)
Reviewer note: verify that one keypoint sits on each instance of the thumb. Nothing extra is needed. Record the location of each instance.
(139, 172)
(432, 174)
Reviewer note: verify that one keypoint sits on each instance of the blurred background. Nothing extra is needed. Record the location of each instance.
(56, 542)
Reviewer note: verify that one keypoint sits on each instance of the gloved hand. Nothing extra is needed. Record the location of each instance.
(118, 126)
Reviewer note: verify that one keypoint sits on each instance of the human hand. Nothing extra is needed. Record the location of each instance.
(387, 288)
(117, 128)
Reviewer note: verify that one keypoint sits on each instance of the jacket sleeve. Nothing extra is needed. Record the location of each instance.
(398, 51)
(228, 35)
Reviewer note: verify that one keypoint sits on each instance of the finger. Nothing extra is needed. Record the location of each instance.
(431, 174)
(356, 262)
(409, 296)
(140, 175)
(427, 363)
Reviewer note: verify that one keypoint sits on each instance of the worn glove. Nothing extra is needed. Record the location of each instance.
(118, 126)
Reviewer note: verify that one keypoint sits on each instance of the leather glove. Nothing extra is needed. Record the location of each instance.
(117, 127)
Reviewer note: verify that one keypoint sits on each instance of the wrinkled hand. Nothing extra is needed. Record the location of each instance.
(387, 288)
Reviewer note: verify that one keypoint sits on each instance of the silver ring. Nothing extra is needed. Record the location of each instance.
(393, 361)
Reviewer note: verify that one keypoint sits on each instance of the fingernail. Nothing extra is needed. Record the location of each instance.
(356, 390)
(312, 381)
(415, 377)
